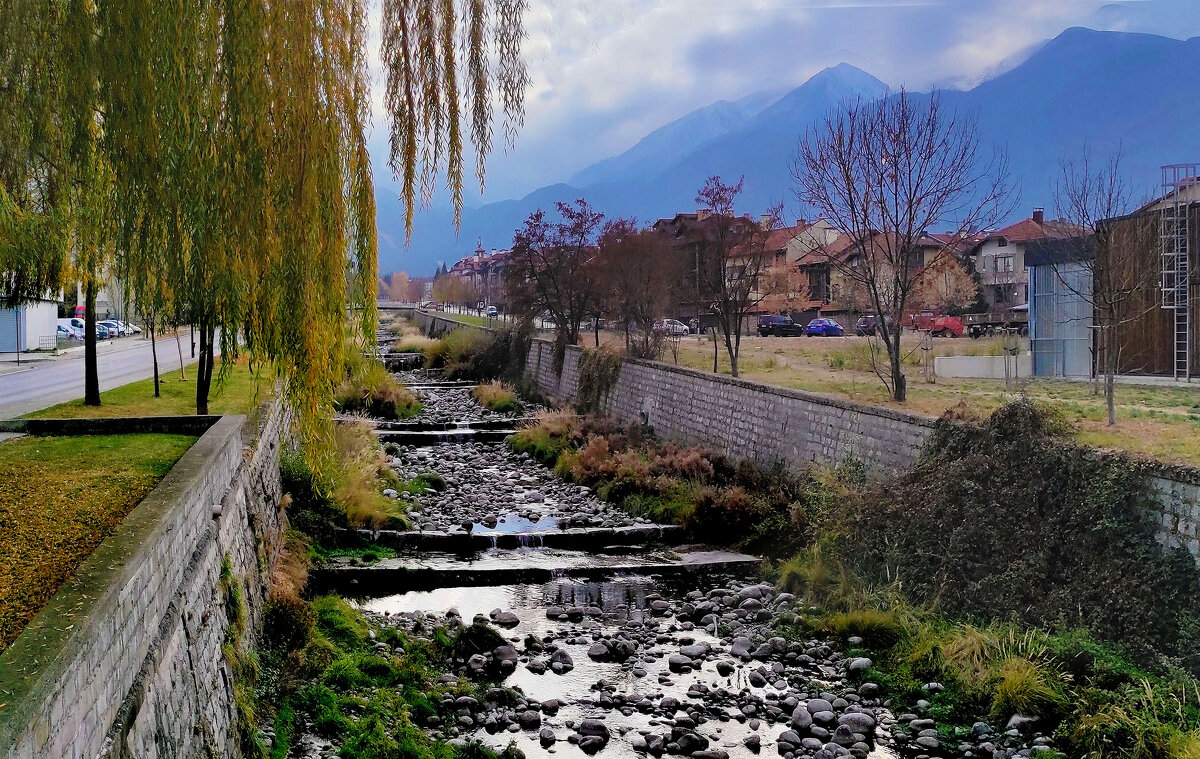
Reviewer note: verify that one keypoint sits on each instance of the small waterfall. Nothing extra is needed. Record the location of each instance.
(495, 540)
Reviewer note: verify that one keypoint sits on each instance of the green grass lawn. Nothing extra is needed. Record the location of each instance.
(60, 497)
(478, 321)
(240, 393)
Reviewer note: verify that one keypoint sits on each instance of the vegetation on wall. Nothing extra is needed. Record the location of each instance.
(1009, 521)
(598, 370)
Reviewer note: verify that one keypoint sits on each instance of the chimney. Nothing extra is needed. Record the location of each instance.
(1039, 215)
(765, 220)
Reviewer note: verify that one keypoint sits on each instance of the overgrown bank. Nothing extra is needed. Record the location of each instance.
(1017, 573)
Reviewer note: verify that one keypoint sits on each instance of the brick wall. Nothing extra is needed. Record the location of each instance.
(126, 660)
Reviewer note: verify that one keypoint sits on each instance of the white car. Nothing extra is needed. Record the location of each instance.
(672, 327)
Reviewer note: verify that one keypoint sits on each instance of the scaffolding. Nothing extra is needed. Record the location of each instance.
(1174, 233)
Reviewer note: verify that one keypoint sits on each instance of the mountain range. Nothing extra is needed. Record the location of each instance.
(1104, 90)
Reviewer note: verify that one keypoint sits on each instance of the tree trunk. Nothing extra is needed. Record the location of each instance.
(203, 368)
(154, 355)
(596, 329)
(179, 348)
(714, 339)
(1110, 374)
(899, 382)
(192, 332)
(91, 372)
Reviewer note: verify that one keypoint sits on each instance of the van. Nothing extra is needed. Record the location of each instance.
(74, 327)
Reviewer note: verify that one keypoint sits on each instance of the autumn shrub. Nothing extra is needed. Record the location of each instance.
(347, 492)
(717, 498)
(455, 351)
(357, 481)
(416, 343)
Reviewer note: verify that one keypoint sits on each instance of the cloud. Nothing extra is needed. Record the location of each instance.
(607, 72)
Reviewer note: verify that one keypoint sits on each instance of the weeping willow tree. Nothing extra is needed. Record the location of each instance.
(213, 154)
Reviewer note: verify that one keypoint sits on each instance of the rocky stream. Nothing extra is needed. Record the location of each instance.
(619, 642)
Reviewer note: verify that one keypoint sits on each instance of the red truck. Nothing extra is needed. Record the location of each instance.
(940, 326)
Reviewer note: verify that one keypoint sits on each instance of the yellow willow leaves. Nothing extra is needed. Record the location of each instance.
(216, 156)
(424, 95)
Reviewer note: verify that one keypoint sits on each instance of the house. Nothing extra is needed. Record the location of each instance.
(30, 326)
(999, 258)
(691, 233)
(483, 273)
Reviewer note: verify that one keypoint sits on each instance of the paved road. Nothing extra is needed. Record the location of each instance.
(49, 382)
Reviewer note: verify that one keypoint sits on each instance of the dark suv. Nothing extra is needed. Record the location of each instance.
(779, 326)
(867, 325)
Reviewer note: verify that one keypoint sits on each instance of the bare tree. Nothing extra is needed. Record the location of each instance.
(886, 171)
(733, 262)
(639, 277)
(1115, 253)
(551, 269)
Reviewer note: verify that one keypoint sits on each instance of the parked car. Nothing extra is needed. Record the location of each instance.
(131, 328)
(493, 311)
(779, 326)
(114, 328)
(940, 326)
(671, 327)
(866, 325)
(73, 327)
(62, 333)
(102, 332)
(823, 327)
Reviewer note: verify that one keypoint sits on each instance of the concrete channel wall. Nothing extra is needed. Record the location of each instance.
(127, 660)
(770, 424)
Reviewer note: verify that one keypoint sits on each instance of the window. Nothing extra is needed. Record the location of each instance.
(780, 257)
(1004, 263)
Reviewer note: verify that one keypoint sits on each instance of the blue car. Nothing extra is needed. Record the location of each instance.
(824, 328)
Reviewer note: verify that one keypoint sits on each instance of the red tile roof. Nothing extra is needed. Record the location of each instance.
(1028, 230)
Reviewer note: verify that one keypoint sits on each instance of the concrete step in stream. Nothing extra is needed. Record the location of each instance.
(525, 565)
(573, 538)
(442, 437)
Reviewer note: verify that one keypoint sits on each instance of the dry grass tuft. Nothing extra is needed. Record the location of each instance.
(363, 465)
(496, 396)
(290, 571)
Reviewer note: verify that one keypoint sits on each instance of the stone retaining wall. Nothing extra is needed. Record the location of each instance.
(748, 419)
(770, 424)
(126, 660)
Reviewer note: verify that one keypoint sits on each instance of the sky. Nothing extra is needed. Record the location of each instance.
(604, 73)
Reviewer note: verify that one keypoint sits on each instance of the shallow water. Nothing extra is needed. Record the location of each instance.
(621, 601)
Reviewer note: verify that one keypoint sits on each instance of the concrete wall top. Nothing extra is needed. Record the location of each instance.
(103, 620)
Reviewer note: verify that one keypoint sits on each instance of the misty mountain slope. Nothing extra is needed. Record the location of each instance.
(1105, 89)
